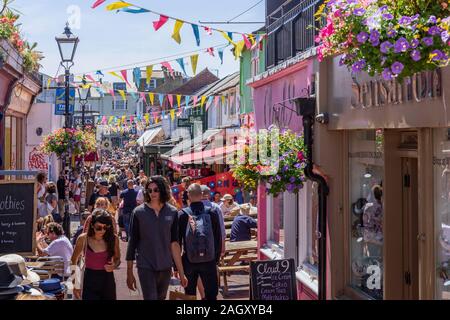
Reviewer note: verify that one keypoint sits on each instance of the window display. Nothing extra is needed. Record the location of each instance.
(277, 230)
(441, 164)
(366, 211)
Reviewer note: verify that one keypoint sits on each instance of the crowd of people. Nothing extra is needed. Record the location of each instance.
(165, 239)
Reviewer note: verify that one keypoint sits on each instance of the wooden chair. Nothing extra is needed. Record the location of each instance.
(177, 295)
(52, 266)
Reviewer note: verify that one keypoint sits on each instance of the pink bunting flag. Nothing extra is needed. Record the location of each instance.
(216, 101)
(125, 76)
(131, 118)
(92, 79)
(170, 98)
(248, 44)
(162, 21)
(143, 97)
(208, 30)
(111, 91)
(97, 3)
(210, 51)
(169, 67)
(195, 100)
(104, 120)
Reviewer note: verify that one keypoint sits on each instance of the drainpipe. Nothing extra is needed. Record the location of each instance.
(306, 108)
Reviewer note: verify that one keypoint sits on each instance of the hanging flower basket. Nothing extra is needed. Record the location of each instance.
(285, 172)
(394, 39)
(69, 141)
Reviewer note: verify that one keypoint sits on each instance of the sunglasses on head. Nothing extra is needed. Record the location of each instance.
(100, 228)
(155, 190)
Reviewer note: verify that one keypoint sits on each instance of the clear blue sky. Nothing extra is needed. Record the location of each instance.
(108, 39)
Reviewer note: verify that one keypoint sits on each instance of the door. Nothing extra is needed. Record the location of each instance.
(410, 229)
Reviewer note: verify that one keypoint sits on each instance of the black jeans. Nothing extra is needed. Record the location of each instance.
(154, 284)
(207, 271)
(99, 285)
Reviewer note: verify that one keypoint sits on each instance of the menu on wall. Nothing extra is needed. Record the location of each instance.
(17, 217)
(273, 280)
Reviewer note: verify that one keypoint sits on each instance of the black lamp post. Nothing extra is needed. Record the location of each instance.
(84, 92)
(67, 44)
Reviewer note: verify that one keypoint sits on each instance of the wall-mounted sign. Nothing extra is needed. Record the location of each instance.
(60, 103)
(88, 120)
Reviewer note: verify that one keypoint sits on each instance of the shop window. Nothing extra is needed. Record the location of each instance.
(276, 221)
(366, 211)
(441, 164)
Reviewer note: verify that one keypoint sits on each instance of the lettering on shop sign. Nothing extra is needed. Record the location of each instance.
(375, 93)
(277, 114)
(273, 280)
(17, 217)
(441, 162)
(366, 154)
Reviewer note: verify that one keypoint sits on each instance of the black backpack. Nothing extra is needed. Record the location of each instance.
(199, 244)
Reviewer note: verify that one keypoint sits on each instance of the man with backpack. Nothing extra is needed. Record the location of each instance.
(201, 238)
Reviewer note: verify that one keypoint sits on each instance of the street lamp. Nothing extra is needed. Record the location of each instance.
(67, 44)
(84, 92)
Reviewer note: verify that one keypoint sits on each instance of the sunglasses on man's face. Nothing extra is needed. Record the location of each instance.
(150, 190)
(101, 228)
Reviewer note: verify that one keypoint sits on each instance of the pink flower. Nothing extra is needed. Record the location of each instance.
(300, 156)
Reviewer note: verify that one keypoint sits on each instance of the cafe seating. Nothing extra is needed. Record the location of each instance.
(52, 266)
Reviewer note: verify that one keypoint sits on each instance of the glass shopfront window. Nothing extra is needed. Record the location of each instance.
(441, 164)
(276, 234)
(366, 211)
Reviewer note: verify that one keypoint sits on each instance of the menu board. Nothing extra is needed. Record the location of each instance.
(273, 280)
(18, 202)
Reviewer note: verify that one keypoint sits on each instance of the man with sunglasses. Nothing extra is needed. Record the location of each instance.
(153, 242)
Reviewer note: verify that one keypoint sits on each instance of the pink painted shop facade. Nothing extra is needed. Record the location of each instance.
(286, 223)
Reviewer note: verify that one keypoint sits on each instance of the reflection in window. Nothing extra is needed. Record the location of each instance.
(366, 211)
(442, 205)
(277, 232)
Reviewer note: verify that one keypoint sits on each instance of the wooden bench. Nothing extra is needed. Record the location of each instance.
(225, 270)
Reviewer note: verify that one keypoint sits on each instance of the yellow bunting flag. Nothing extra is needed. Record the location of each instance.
(118, 5)
(124, 118)
(202, 102)
(111, 118)
(238, 49)
(194, 61)
(118, 123)
(149, 70)
(176, 31)
(49, 81)
(172, 114)
(179, 100)
(252, 39)
(147, 118)
(151, 95)
(122, 94)
(223, 101)
(156, 119)
(225, 35)
(116, 75)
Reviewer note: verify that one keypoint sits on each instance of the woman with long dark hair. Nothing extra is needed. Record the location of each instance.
(100, 247)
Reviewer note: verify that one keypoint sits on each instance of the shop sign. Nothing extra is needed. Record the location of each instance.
(273, 280)
(18, 201)
(375, 93)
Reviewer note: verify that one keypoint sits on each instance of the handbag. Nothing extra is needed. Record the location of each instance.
(81, 266)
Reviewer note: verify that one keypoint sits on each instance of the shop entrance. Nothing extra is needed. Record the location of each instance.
(410, 228)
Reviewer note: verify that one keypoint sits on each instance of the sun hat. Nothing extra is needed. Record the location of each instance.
(235, 211)
(245, 208)
(51, 286)
(17, 265)
(227, 197)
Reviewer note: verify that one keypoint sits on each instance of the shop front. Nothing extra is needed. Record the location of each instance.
(287, 223)
(386, 152)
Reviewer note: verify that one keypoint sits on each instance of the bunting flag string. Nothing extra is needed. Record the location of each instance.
(162, 21)
(194, 61)
(97, 3)
(176, 31)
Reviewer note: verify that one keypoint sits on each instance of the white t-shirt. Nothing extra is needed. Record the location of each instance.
(61, 247)
(140, 196)
(77, 187)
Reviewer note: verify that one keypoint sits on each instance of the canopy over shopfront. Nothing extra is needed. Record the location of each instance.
(150, 136)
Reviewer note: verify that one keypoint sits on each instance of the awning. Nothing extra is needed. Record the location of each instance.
(148, 136)
(186, 146)
(216, 155)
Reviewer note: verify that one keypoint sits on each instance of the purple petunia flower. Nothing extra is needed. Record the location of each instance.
(405, 20)
(374, 38)
(415, 17)
(391, 33)
(383, 8)
(432, 20)
(434, 30)
(445, 36)
(359, 12)
(383, 60)
(292, 180)
(401, 45)
(285, 168)
(415, 55)
(415, 43)
(290, 187)
(428, 41)
(298, 165)
(385, 46)
(397, 67)
(277, 178)
(387, 74)
(438, 55)
(359, 65)
(387, 16)
(362, 37)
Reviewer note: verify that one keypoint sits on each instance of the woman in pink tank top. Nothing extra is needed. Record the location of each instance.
(100, 247)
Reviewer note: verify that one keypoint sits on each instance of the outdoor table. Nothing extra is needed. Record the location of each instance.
(231, 218)
(237, 249)
(35, 265)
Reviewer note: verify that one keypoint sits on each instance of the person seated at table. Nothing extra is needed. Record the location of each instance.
(59, 246)
(242, 225)
(228, 205)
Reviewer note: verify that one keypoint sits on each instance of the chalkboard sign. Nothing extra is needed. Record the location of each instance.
(18, 203)
(273, 280)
